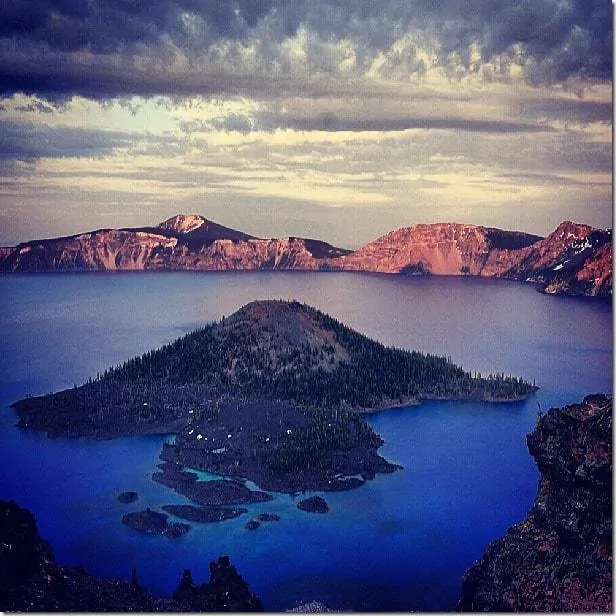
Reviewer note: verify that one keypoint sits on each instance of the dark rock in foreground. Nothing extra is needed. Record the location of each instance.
(559, 559)
(128, 497)
(31, 580)
(154, 523)
(204, 514)
(225, 592)
(314, 504)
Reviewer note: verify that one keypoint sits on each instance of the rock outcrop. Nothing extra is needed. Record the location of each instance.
(32, 581)
(559, 559)
(442, 248)
(574, 260)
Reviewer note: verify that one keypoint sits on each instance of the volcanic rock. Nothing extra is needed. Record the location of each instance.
(559, 559)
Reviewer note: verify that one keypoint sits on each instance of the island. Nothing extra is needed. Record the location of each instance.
(273, 394)
(154, 523)
(314, 504)
(559, 558)
(204, 514)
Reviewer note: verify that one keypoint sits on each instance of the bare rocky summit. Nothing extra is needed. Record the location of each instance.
(574, 260)
(559, 559)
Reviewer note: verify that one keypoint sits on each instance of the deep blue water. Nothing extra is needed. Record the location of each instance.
(402, 541)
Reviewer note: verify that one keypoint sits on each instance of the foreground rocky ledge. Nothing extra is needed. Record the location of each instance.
(559, 559)
(31, 580)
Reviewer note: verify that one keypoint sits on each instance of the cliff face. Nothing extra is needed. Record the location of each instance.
(31, 580)
(575, 259)
(443, 248)
(559, 559)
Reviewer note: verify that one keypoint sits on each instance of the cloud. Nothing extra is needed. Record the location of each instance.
(26, 140)
(61, 48)
(330, 122)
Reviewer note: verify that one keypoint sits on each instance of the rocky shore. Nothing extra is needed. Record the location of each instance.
(210, 493)
(31, 580)
(204, 514)
(559, 559)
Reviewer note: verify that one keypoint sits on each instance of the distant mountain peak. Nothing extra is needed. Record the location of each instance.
(183, 223)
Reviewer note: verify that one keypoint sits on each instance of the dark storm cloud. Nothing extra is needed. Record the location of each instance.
(119, 25)
(560, 38)
(331, 122)
(26, 140)
(580, 111)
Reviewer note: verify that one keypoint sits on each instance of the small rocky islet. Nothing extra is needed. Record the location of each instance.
(154, 523)
(314, 504)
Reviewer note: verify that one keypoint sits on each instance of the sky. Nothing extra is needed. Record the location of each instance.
(333, 119)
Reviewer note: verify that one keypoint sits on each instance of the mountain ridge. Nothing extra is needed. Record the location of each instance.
(575, 259)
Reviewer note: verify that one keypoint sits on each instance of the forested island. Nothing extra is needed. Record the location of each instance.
(271, 393)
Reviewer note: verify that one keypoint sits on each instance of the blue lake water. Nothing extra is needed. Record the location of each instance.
(402, 541)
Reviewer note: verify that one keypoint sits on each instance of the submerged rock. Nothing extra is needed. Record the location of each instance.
(252, 524)
(314, 504)
(269, 517)
(128, 497)
(559, 559)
